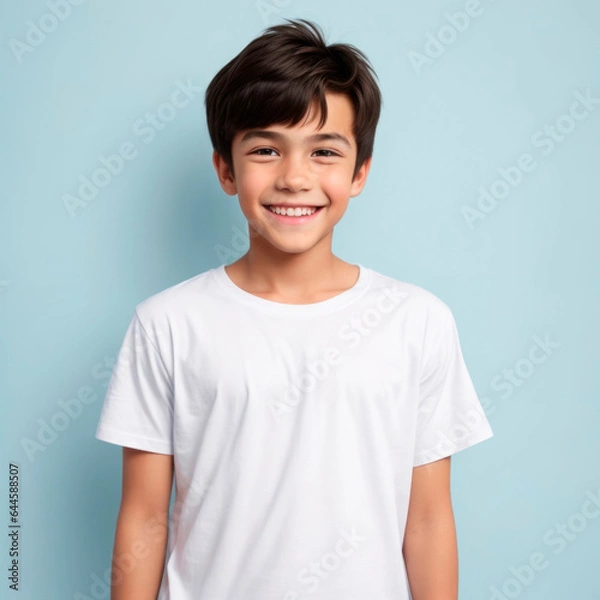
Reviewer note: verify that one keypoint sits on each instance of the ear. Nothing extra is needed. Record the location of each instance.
(361, 178)
(224, 174)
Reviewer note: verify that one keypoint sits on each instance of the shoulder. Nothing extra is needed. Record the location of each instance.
(422, 304)
(161, 309)
(430, 325)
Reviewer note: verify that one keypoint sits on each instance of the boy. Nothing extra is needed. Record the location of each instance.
(306, 407)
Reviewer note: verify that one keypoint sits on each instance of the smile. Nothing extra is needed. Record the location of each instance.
(298, 211)
(296, 214)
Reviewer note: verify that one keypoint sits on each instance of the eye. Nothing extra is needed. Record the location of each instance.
(260, 150)
(327, 155)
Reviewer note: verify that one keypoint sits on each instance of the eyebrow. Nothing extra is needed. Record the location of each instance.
(273, 135)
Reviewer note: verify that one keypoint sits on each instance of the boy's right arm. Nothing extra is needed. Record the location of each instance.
(142, 525)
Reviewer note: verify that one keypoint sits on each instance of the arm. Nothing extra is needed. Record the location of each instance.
(142, 525)
(430, 549)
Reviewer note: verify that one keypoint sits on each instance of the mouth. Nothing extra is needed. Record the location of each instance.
(293, 214)
(293, 211)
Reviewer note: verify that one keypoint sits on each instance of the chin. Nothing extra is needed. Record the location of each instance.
(291, 249)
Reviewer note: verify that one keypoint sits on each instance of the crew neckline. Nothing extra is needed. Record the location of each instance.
(314, 308)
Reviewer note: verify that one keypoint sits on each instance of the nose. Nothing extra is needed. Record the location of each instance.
(293, 174)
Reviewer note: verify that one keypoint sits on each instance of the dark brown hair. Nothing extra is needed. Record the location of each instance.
(278, 75)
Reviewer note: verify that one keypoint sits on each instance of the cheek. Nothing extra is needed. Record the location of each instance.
(252, 182)
(336, 183)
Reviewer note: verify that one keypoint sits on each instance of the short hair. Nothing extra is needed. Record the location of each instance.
(279, 74)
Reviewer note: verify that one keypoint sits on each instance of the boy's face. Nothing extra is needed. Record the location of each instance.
(289, 167)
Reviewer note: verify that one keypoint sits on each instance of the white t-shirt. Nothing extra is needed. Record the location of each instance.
(294, 430)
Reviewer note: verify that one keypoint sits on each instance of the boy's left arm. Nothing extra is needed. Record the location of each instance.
(430, 548)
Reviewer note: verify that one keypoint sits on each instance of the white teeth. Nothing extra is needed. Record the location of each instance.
(293, 212)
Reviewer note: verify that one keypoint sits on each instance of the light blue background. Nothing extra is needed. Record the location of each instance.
(68, 284)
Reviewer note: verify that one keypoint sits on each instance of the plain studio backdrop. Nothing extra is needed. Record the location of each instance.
(484, 189)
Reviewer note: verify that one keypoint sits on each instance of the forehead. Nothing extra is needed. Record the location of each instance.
(337, 128)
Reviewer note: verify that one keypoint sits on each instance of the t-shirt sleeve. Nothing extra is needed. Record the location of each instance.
(449, 414)
(138, 406)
